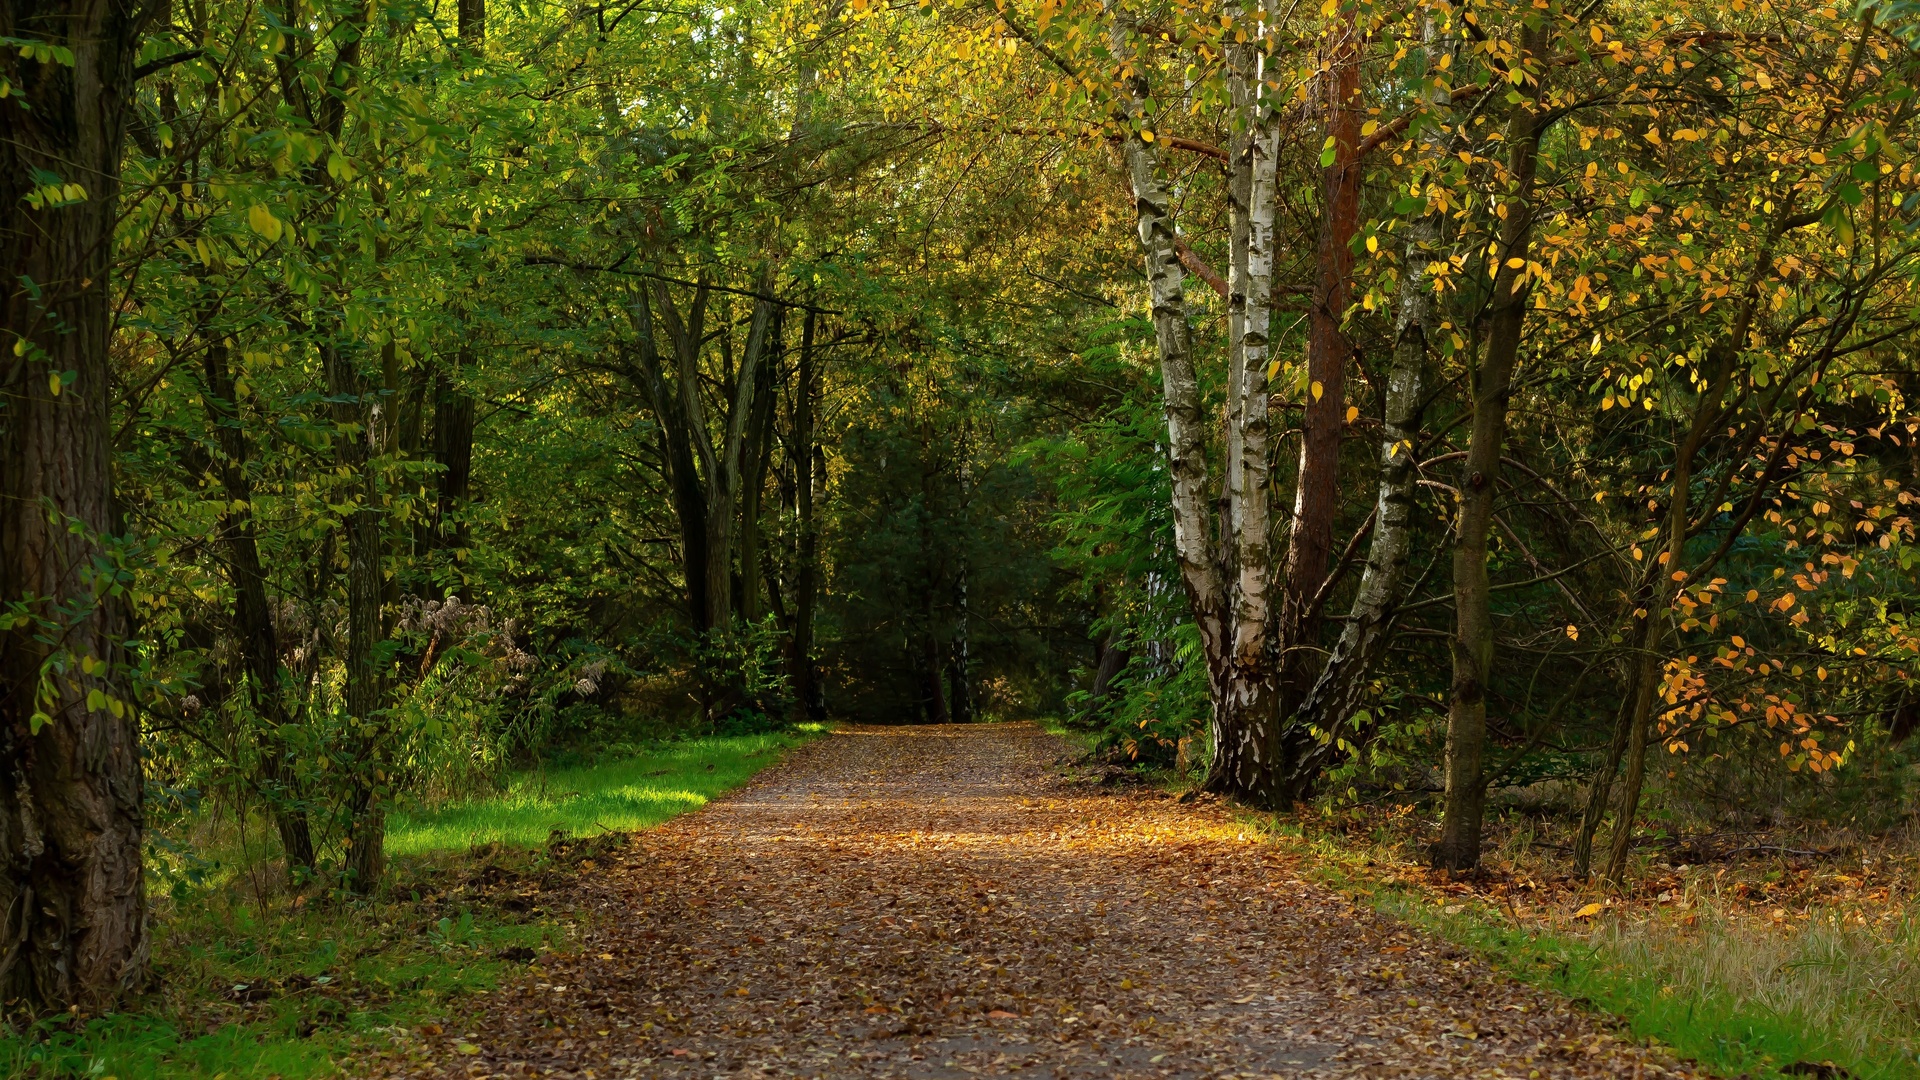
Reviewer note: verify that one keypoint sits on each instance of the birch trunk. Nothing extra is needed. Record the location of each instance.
(1186, 420)
(1252, 686)
(1472, 647)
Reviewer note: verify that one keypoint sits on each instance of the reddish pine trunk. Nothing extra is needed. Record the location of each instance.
(1317, 492)
(72, 905)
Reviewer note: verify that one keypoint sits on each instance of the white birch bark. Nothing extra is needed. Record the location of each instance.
(1240, 62)
(1251, 530)
(1186, 421)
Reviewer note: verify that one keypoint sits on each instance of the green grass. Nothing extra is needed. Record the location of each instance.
(1737, 1001)
(342, 976)
(634, 793)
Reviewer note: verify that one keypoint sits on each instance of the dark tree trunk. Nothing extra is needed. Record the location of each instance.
(1600, 790)
(960, 659)
(73, 926)
(453, 407)
(453, 422)
(366, 824)
(932, 690)
(683, 477)
(255, 634)
(1317, 491)
(759, 455)
(1113, 657)
(806, 686)
(1466, 782)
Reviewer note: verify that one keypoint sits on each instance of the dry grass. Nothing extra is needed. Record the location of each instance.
(1753, 952)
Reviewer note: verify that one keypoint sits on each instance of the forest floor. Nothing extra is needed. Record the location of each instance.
(923, 902)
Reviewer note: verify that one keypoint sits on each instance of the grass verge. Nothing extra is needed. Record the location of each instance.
(266, 984)
(1828, 996)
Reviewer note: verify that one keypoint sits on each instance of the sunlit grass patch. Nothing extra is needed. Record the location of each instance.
(627, 795)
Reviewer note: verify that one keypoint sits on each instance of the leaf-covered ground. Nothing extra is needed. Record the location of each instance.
(924, 902)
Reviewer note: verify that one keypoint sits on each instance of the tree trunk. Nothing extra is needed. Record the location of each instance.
(960, 660)
(453, 406)
(254, 631)
(1665, 574)
(1251, 702)
(1337, 692)
(683, 476)
(1600, 790)
(1241, 725)
(806, 686)
(1316, 495)
(1112, 659)
(365, 689)
(73, 926)
(453, 424)
(1472, 647)
(759, 454)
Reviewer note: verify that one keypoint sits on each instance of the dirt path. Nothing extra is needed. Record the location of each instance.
(936, 902)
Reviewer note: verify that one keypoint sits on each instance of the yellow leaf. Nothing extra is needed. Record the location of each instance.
(1146, 136)
(1318, 390)
(1272, 370)
(1373, 244)
(263, 222)
(1353, 413)
(1589, 911)
(1573, 632)
(466, 1048)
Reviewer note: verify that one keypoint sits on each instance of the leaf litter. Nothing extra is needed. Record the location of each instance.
(939, 902)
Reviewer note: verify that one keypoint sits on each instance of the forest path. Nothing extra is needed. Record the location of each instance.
(927, 902)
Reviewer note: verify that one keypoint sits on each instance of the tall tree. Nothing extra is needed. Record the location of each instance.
(74, 927)
(1491, 382)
